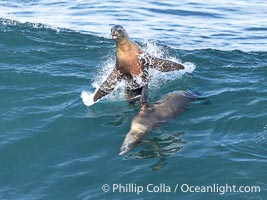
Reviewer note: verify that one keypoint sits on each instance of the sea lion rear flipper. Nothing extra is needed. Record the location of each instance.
(144, 96)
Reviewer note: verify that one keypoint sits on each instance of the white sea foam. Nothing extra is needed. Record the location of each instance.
(87, 98)
(103, 72)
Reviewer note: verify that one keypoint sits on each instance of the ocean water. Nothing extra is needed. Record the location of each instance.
(53, 56)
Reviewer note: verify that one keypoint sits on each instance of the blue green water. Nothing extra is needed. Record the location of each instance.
(52, 146)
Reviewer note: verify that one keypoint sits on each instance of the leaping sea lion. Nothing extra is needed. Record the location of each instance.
(132, 65)
(152, 116)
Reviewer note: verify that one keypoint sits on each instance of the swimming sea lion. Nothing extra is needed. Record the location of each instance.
(152, 116)
(131, 65)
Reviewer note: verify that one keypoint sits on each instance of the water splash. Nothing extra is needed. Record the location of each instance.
(103, 72)
(157, 78)
(87, 98)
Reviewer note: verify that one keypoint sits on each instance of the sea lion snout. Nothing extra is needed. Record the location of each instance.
(129, 142)
(133, 137)
(127, 145)
(124, 150)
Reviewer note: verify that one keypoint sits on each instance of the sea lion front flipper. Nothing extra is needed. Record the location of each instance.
(144, 96)
(108, 85)
(163, 65)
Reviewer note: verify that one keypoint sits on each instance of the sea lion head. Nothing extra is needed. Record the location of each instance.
(133, 137)
(118, 33)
